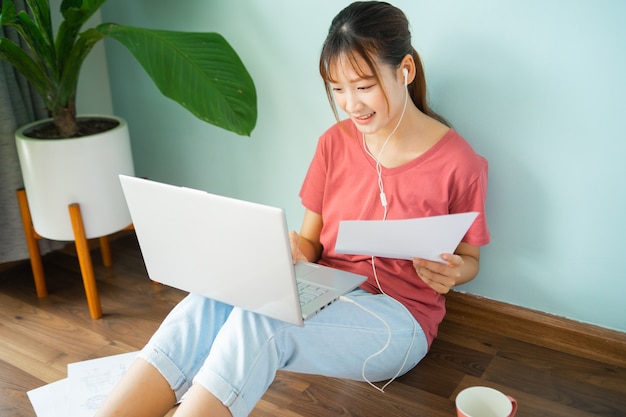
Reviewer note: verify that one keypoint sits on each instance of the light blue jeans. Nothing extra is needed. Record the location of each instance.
(235, 354)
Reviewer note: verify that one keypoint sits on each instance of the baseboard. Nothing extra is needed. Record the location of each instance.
(542, 329)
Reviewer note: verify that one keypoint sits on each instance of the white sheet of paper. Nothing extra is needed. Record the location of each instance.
(50, 400)
(82, 392)
(90, 382)
(426, 237)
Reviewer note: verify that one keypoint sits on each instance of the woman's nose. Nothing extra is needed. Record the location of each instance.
(352, 103)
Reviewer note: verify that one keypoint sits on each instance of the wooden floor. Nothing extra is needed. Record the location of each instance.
(39, 337)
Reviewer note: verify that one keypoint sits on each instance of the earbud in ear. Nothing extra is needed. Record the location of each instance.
(406, 75)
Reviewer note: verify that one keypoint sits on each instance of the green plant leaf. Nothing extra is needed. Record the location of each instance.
(31, 32)
(34, 37)
(8, 12)
(75, 14)
(201, 71)
(40, 10)
(21, 61)
(73, 64)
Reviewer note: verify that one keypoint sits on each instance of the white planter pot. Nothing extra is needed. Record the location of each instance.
(60, 172)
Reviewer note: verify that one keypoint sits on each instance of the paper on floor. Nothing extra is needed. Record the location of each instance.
(83, 391)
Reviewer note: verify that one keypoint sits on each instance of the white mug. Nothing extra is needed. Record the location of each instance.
(484, 402)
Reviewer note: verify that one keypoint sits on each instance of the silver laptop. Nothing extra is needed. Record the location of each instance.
(230, 250)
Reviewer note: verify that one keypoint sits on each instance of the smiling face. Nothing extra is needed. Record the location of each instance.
(373, 98)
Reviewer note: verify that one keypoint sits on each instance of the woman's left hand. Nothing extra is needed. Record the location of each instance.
(440, 277)
(296, 253)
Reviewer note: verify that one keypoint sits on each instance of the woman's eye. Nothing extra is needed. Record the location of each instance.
(339, 90)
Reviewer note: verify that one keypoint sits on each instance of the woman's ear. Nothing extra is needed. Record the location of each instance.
(407, 64)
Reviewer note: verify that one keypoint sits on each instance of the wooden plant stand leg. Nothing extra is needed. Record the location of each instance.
(105, 247)
(33, 247)
(84, 259)
(105, 251)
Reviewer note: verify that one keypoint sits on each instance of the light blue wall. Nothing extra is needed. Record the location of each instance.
(536, 86)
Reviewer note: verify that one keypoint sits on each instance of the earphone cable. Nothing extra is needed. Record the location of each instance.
(379, 168)
(383, 200)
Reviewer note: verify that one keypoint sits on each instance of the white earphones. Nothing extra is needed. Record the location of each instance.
(383, 201)
(379, 169)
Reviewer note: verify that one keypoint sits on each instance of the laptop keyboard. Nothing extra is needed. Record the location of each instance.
(309, 292)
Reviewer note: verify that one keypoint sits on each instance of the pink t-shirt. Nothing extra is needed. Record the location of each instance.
(342, 184)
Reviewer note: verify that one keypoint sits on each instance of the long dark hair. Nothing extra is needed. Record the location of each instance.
(370, 30)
